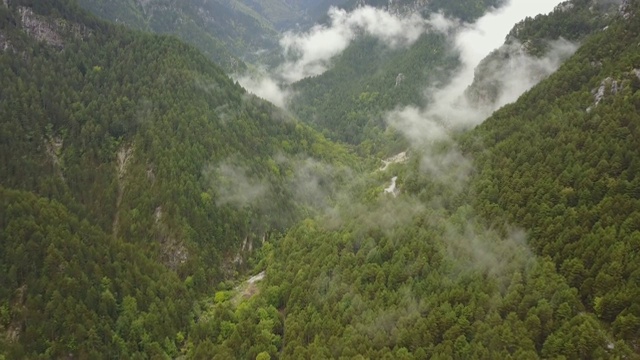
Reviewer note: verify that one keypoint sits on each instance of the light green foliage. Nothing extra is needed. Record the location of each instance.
(221, 296)
(263, 356)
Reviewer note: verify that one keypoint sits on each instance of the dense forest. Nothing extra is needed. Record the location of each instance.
(227, 32)
(140, 187)
(144, 147)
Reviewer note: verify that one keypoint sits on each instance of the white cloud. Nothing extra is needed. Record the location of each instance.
(233, 186)
(309, 53)
(266, 87)
(448, 108)
(521, 72)
(474, 42)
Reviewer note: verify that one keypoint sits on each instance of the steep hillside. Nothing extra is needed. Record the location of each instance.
(372, 77)
(563, 162)
(519, 241)
(380, 79)
(546, 36)
(134, 129)
(133, 148)
(465, 10)
(140, 185)
(68, 288)
(228, 32)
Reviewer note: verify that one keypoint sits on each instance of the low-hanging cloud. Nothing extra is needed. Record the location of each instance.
(233, 186)
(448, 107)
(514, 71)
(266, 87)
(313, 183)
(309, 53)
(474, 43)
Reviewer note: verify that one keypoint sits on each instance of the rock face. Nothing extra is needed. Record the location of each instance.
(396, 159)
(564, 7)
(39, 28)
(123, 156)
(392, 188)
(625, 9)
(50, 30)
(611, 87)
(53, 147)
(4, 43)
(174, 253)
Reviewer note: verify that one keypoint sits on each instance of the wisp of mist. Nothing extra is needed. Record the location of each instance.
(445, 109)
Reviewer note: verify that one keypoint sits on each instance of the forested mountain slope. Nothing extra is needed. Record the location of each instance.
(380, 79)
(133, 165)
(383, 77)
(69, 288)
(380, 76)
(137, 180)
(563, 162)
(228, 32)
(519, 241)
(536, 38)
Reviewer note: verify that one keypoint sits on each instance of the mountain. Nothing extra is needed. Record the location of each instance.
(465, 10)
(134, 170)
(228, 32)
(141, 187)
(580, 195)
(233, 32)
(543, 37)
(69, 288)
(381, 76)
(515, 239)
(380, 79)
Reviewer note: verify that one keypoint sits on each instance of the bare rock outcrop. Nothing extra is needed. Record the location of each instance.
(50, 30)
(395, 7)
(625, 10)
(123, 157)
(611, 87)
(39, 28)
(4, 43)
(53, 146)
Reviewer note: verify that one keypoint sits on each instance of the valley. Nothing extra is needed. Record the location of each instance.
(340, 179)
